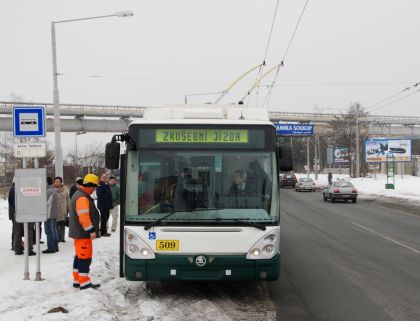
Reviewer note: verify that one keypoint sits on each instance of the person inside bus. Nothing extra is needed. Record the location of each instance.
(241, 191)
(187, 191)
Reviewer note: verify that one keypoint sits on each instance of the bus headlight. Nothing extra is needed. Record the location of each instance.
(135, 247)
(266, 248)
(132, 248)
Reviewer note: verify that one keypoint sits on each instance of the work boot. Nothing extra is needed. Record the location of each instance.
(90, 285)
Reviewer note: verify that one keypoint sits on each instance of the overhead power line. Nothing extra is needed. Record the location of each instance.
(396, 100)
(270, 89)
(271, 30)
(294, 32)
(392, 96)
(314, 84)
(266, 49)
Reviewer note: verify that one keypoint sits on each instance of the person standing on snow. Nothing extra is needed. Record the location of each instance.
(63, 207)
(73, 188)
(18, 229)
(329, 178)
(104, 202)
(83, 228)
(115, 190)
(50, 225)
(11, 201)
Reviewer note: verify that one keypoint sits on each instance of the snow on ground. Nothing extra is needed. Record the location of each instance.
(406, 187)
(117, 299)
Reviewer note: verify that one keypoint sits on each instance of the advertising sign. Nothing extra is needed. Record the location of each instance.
(294, 129)
(376, 150)
(341, 155)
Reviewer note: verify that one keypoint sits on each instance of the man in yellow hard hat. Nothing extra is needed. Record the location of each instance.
(83, 228)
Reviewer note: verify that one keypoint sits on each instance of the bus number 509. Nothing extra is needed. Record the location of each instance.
(167, 245)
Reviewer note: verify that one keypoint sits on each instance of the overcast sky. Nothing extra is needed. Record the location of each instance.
(343, 51)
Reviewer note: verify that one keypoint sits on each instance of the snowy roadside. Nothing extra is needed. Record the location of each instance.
(117, 299)
(369, 187)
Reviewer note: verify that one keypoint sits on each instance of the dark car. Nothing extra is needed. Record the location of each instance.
(288, 180)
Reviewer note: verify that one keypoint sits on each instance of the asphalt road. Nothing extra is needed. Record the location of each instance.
(344, 261)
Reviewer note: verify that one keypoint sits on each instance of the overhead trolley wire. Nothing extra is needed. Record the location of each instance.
(268, 97)
(369, 108)
(394, 101)
(267, 47)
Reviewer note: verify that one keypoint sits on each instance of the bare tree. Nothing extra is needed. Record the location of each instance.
(344, 129)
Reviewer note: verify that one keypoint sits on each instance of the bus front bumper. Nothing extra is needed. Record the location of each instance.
(216, 268)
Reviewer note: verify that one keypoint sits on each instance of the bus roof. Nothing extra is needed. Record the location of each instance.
(205, 114)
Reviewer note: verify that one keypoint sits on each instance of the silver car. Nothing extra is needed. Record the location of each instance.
(340, 190)
(305, 184)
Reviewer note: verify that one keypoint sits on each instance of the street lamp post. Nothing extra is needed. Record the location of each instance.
(76, 158)
(357, 142)
(58, 153)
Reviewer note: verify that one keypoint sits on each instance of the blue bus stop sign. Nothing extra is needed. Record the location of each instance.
(29, 121)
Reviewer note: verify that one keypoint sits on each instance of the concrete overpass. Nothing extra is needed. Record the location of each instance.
(116, 118)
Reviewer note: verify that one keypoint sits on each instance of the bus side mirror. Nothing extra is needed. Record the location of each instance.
(285, 158)
(112, 155)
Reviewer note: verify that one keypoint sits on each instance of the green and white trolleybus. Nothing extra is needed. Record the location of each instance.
(200, 194)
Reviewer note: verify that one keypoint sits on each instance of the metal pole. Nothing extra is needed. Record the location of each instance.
(26, 250)
(26, 240)
(316, 159)
(402, 170)
(307, 156)
(38, 241)
(357, 142)
(58, 154)
(75, 156)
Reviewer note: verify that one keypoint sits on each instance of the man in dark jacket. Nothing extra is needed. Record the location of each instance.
(11, 200)
(73, 188)
(18, 229)
(104, 202)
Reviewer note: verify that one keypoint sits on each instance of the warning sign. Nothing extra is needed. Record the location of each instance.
(30, 191)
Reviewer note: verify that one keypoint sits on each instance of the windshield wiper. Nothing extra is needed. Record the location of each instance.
(154, 223)
(261, 227)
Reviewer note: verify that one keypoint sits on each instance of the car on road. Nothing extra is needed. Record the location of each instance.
(305, 184)
(288, 180)
(340, 190)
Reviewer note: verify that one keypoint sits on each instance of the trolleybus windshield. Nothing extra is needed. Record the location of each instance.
(203, 174)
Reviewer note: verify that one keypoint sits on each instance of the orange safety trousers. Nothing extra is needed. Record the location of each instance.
(82, 261)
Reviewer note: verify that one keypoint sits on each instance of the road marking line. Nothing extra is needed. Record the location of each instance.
(387, 238)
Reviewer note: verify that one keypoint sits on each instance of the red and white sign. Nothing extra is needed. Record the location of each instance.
(31, 191)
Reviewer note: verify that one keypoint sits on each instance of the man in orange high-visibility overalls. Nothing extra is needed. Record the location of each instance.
(83, 228)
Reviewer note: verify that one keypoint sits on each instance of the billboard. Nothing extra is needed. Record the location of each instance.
(341, 155)
(376, 150)
(294, 129)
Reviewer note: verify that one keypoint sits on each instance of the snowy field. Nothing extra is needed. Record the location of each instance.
(406, 187)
